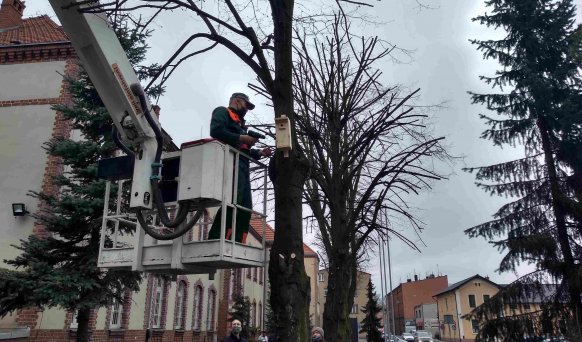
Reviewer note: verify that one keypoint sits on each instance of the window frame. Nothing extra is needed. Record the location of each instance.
(157, 299)
(474, 302)
(74, 319)
(253, 320)
(475, 326)
(260, 313)
(211, 310)
(114, 312)
(181, 304)
(198, 305)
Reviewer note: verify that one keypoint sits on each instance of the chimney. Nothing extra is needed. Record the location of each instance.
(415, 277)
(11, 13)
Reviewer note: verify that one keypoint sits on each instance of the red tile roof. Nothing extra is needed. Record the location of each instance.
(257, 226)
(33, 31)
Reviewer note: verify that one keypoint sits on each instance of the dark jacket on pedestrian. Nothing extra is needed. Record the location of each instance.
(232, 338)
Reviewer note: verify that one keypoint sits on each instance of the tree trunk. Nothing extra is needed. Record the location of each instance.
(340, 298)
(290, 289)
(83, 333)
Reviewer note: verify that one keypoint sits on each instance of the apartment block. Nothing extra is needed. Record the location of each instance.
(410, 294)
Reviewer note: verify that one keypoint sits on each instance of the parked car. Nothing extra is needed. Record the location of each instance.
(390, 338)
(407, 337)
(423, 336)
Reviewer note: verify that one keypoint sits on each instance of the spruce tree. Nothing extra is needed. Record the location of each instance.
(371, 323)
(538, 84)
(60, 270)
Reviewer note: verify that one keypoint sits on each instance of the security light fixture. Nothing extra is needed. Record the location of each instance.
(19, 209)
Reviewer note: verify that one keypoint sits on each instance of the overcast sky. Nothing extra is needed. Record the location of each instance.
(445, 66)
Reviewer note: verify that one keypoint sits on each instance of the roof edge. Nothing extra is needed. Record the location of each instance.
(464, 282)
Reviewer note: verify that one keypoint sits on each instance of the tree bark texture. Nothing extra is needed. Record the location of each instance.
(83, 333)
(290, 289)
(341, 286)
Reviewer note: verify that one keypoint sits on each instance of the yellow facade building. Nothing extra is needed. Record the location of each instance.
(458, 300)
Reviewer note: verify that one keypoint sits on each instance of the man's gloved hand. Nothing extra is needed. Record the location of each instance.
(247, 139)
(266, 152)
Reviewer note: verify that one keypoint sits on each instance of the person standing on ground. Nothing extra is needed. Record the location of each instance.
(235, 329)
(317, 335)
(263, 337)
(228, 126)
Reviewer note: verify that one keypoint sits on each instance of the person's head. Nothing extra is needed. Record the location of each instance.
(241, 103)
(317, 334)
(264, 332)
(236, 326)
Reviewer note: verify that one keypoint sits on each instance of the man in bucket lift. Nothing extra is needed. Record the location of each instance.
(228, 125)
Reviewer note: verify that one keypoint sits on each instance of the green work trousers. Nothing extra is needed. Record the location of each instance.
(243, 198)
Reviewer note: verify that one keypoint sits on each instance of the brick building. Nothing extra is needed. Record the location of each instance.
(411, 294)
(35, 54)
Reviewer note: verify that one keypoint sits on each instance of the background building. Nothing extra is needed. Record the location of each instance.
(410, 294)
(459, 299)
(34, 56)
(427, 318)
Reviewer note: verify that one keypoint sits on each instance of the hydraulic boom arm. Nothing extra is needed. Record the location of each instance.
(106, 63)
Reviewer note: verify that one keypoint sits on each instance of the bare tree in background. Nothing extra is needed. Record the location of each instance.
(369, 149)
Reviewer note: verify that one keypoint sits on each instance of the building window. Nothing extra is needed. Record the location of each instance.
(354, 309)
(486, 298)
(249, 273)
(180, 305)
(211, 309)
(260, 275)
(449, 319)
(237, 283)
(255, 273)
(260, 318)
(447, 303)
(203, 229)
(513, 306)
(320, 277)
(75, 320)
(253, 320)
(475, 326)
(197, 313)
(325, 292)
(472, 303)
(157, 303)
(116, 311)
(526, 306)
